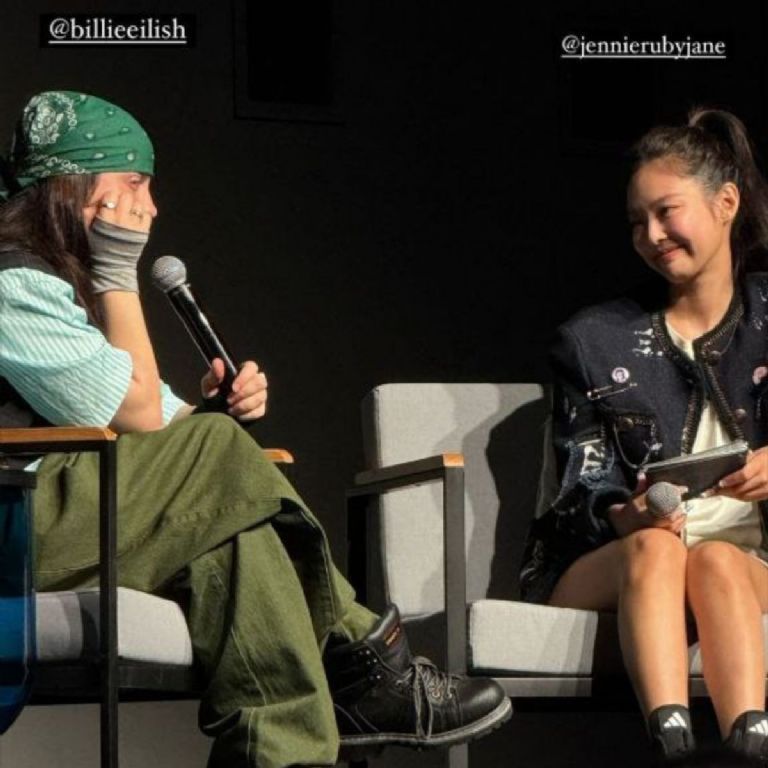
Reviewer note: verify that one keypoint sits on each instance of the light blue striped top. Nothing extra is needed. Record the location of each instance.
(60, 364)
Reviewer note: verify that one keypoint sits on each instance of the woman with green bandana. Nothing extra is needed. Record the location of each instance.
(291, 661)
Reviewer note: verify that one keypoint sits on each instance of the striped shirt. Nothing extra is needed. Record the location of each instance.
(63, 367)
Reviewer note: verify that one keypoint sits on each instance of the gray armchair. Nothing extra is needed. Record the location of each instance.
(469, 465)
(108, 643)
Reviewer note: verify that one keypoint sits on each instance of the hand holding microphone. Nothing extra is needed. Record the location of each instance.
(240, 390)
(664, 500)
(660, 506)
(247, 399)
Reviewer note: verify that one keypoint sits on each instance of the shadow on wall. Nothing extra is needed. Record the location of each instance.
(515, 452)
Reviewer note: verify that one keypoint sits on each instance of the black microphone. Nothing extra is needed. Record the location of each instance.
(170, 275)
(662, 499)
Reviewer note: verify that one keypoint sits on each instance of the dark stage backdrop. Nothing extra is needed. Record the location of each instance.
(464, 195)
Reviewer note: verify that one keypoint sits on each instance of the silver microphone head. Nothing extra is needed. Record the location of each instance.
(168, 272)
(662, 499)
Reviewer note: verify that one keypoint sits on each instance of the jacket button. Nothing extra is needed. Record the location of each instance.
(713, 356)
(625, 422)
(739, 414)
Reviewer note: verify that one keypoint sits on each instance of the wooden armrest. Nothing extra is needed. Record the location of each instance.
(34, 435)
(279, 455)
(397, 471)
(41, 440)
(375, 481)
(43, 437)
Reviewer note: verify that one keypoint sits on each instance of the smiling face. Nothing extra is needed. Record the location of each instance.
(680, 229)
(113, 184)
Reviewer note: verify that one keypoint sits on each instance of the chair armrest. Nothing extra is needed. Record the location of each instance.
(449, 469)
(49, 439)
(38, 434)
(382, 479)
(279, 455)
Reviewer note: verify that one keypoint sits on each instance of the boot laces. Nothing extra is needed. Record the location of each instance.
(428, 685)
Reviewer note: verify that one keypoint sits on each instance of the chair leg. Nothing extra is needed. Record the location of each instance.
(455, 580)
(108, 603)
(458, 757)
(108, 734)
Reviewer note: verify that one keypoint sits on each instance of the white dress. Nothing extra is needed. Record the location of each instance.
(719, 517)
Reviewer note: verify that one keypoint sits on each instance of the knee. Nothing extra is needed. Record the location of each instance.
(216, 433)
(714, 565)
(654, 544)
(213, 426)
(652, 552)
(213, 421)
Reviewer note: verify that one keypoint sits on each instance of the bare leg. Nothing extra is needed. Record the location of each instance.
(643, 576)
(728, 593)
(592, 582)
(652, 618)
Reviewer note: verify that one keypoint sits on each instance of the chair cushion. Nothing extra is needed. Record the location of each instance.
(516, 637)
(150, 628)
(511, 638)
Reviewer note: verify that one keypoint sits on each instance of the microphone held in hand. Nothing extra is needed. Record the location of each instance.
(170, 275)
(662, 499)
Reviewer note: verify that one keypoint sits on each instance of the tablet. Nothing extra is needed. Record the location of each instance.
(699, 471)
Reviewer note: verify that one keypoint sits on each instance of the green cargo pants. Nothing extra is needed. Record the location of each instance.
(205, 518)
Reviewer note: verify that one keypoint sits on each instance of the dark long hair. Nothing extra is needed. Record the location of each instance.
(46, 219)
(714, 147)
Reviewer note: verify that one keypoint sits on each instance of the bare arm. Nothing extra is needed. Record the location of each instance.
(125, 328)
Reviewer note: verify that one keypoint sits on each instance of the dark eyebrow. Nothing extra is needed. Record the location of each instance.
(654, 204)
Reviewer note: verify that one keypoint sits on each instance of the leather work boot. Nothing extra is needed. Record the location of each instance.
(382, 695)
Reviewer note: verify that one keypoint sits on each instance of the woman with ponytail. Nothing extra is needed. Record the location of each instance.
(650, 377)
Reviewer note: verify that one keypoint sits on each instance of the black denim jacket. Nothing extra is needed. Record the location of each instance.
(625, 395)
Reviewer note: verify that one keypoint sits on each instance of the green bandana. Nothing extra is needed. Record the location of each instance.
(65, 132)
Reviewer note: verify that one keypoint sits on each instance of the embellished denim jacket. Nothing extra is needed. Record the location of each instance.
(625, 395)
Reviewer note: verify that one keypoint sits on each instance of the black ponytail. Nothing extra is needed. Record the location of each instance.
(714, 147)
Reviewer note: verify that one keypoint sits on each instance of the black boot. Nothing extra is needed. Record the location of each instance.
(671, 733)
(382, 695)
(749, 736)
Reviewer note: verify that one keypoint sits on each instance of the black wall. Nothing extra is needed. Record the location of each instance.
(468, 199)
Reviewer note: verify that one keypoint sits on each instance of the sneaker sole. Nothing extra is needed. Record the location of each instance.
(490, 722)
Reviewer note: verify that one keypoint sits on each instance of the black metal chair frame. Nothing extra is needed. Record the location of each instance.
(369, 484)
(104, 678)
